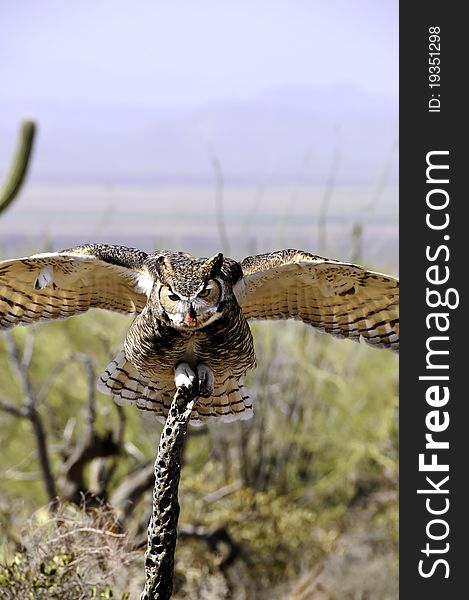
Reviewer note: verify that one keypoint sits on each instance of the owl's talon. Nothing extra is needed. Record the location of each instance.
(184, 377)
(205, 380)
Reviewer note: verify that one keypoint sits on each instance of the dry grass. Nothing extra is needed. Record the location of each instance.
(74, 554)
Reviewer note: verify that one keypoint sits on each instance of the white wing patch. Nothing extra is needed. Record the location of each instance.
(45, 277)
(144, 283)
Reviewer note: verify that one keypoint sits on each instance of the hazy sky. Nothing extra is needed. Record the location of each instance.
(184, 53)
(144, 92)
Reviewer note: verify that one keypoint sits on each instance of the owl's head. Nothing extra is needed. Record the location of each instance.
(189, 290)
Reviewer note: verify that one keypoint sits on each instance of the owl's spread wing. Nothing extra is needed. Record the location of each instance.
(57, 285)
(339, 298)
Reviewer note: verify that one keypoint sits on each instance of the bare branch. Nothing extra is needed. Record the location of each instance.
(90, 446)
(222, 492)
(219, 204)
(91, 381)
(43, 455)
(72, 476)
(383, 178)
(19, 370)
(51, 377)
(28, 350)
(162, 530)
(214, 538)
(105, 470)
(131, 489)
(326, 200)
(13, 410)
(29, 407)
(358, 226)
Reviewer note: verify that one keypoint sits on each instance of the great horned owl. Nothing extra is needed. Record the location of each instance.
(191, 326)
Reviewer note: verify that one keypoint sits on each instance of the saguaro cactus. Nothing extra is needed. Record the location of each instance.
(19, 168)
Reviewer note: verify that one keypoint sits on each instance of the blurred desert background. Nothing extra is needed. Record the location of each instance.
(241, 127)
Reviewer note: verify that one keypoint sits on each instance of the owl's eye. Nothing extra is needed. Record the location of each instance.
(174, 297)
(204, 293)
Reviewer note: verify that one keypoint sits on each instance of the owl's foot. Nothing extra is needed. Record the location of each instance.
(200, 384)
(184, 376)
(205, 379)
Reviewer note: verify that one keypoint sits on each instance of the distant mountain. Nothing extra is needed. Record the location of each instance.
(284, 135)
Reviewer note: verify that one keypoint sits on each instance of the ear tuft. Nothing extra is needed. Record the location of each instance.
(214, 264)
(162, 265)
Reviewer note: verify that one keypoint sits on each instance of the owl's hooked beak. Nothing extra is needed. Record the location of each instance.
(191, 317)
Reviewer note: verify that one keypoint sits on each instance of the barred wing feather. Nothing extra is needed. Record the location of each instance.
(339, 298)
(58, 285)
